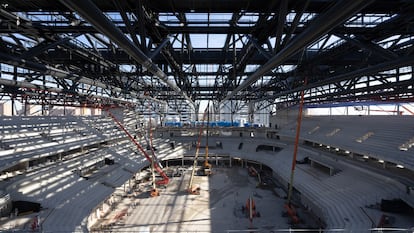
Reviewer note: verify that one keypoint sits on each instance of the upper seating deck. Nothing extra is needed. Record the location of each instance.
(382, 137)
(24, 138)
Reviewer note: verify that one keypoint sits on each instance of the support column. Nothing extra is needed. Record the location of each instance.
(251, 113)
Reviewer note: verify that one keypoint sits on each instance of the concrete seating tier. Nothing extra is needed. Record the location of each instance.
(27, 138)
(386, 135)
(67, 196)
(339, 200)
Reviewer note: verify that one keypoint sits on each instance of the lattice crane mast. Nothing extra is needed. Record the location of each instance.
(153, 162)
(195, 189)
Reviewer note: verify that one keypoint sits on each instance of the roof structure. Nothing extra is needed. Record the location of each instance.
(182, 52)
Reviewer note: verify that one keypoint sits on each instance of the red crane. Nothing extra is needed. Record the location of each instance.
(195, 189)
(165, 179)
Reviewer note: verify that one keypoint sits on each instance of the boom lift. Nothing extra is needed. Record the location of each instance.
(251, 210)
(195, 189)
(154, 191)
(153, 161)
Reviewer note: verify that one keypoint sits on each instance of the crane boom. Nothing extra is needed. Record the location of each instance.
(165, 179)
(288, 206)
(207, 165)
(190, 184)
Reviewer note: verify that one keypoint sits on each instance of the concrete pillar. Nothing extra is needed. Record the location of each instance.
(251, 112)
(216, 160)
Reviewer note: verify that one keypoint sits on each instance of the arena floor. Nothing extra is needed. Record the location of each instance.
(218, 208)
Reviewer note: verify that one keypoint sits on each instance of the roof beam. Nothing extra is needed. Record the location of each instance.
(320, 26)
(90, 12)
(388, 65)
(387, 54)
(281, 20)
(48, 70)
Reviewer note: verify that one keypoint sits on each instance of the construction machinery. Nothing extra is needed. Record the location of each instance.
(153, 161)
(206, 165)
(290, 209)
(154, 191)
(254, 173)
(250, 209)
(195, 189)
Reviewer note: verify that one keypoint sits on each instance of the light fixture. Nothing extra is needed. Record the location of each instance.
(400, 166)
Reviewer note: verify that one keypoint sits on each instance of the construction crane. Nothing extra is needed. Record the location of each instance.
(154, 191)
(153, 161)
(195, 189)
(290, 209)
(206, 165)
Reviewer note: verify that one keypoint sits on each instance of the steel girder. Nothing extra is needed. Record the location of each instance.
(278, 32)
(321, 25)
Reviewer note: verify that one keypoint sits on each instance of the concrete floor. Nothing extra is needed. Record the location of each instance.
(218, 208)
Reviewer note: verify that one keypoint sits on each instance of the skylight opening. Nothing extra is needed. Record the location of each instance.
(113, 16)
(198, 40)
(216, 40)
(220, 19)
(305, 18)
(332, 41)
(284, 68)
(389, 41)
(367, 20)
(248, 20)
